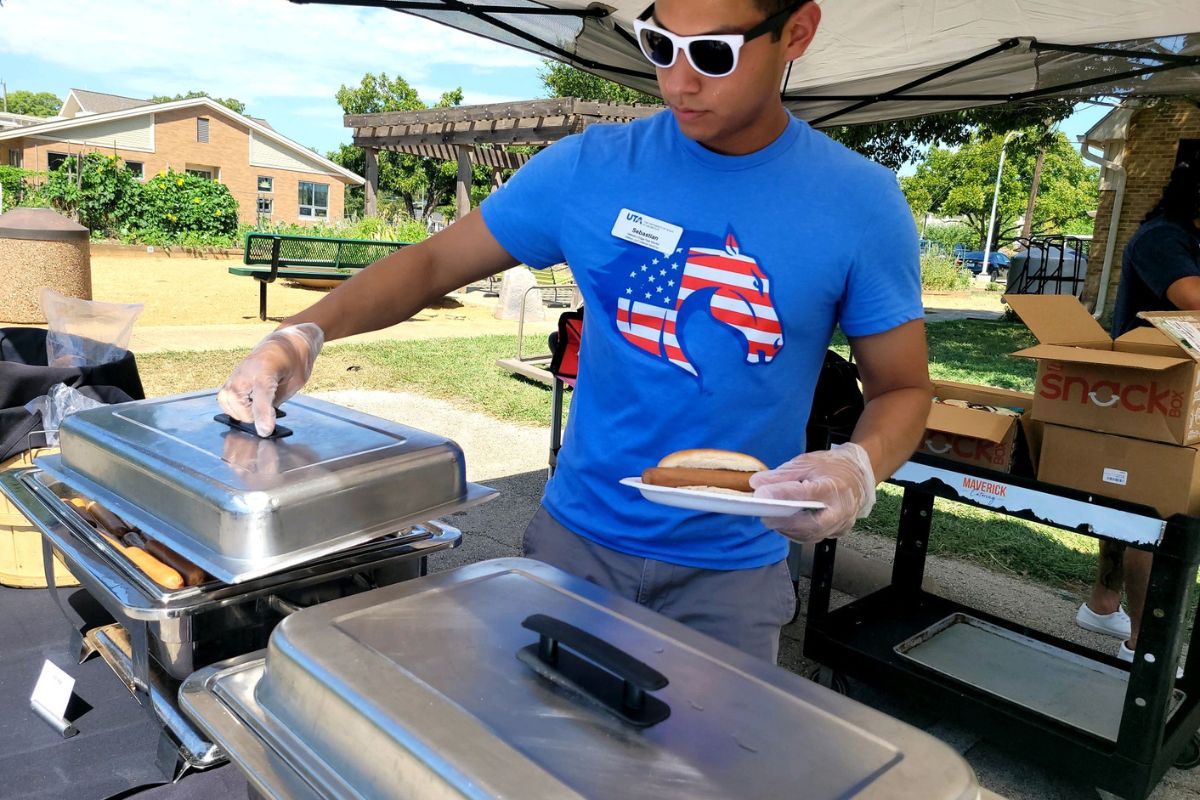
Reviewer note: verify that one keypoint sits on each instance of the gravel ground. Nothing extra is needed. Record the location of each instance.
(512, 459)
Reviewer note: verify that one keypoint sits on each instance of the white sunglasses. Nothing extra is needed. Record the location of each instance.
(713, 54)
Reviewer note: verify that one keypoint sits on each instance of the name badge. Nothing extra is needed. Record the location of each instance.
(647, 231)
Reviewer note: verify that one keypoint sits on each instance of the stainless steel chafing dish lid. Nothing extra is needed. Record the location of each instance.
(242, 507)
(415, 690)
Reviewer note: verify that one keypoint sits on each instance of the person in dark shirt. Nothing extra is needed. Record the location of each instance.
(1160, 271)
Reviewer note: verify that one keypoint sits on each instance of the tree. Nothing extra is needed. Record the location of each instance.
(422, 184)
(563, 80)
(41, 104)
(892, 144)
(231, 103)
(896, 143)
(961, 182)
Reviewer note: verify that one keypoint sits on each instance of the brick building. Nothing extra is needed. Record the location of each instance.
(1140, 145)
(271, 177)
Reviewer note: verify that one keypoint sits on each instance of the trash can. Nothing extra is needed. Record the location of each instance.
(40, 248)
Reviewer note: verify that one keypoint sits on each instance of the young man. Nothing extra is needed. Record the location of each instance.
(716, 244)
(1160, 271)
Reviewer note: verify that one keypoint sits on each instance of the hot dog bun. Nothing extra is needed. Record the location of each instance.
(721, 470)
(712, 459)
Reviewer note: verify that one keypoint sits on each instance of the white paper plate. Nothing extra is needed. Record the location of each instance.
(720, 503)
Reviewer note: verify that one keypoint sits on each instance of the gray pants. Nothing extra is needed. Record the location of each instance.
(744, 607)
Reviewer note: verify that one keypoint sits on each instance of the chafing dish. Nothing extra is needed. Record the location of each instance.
(343, 505)
(510, 678)
(242, 507)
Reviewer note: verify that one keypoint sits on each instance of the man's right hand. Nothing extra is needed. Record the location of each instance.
(275, 370)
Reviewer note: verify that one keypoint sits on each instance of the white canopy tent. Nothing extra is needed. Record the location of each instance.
(888, 59)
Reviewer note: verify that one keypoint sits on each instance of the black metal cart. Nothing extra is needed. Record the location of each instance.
(1116, 725)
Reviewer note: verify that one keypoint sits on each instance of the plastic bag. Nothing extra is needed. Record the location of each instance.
(61, 402)
(84, 333)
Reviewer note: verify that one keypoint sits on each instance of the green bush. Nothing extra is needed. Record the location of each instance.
(15, 186)
(186, 209)
(98, 191)
(367, 228)
(939, 274)
(953, 233)
(170, 208)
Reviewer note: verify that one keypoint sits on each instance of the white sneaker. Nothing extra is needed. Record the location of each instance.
(1116, 624)
(1125, 654)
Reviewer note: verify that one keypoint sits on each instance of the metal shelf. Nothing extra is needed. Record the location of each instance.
(1157, 716)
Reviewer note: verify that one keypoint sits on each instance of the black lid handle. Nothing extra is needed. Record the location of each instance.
(248, 427)
(598, 671)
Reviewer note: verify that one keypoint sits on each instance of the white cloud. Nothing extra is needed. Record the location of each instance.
(249, 49)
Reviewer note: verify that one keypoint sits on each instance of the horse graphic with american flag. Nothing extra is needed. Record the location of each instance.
(656, 290)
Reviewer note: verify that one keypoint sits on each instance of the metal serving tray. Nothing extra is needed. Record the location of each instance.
(1065, 686)
(191, 627)
(434, 689)
(242, 507)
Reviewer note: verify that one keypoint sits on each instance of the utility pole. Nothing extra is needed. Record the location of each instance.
(4, 87)
(987, 247)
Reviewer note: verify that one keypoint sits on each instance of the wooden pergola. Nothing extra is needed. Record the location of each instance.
(473, 135)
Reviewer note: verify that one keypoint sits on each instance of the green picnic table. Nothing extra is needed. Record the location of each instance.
(269, 256)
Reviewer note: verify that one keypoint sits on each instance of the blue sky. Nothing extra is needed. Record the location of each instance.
(285, 61)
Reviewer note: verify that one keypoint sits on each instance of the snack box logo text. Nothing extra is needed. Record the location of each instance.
(967, 447)
(1106, 393)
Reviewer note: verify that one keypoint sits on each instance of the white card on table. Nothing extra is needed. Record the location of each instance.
(53, 690)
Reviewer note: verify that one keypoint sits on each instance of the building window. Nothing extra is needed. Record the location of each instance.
(266, 183)
(55, 160)
(136, 168)
(201, 172)
(264, 206)
(202, 129)
(314, 199)
(14, 157)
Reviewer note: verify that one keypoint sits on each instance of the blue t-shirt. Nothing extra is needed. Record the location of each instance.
(714, 340)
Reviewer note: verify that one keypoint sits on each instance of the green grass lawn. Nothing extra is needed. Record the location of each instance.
(463, 371)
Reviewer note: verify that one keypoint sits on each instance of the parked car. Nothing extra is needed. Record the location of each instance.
(973, 260)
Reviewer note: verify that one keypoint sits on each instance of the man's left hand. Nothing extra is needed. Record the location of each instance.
(841, 478)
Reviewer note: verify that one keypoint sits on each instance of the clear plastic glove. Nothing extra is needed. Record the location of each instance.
(275, 370)
(841, 478)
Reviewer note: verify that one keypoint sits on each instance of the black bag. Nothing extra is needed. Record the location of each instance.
(837, 404)
(24, 376)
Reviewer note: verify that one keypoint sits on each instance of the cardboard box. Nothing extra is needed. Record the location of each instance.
(1142, 385)
(981, 438)
(1165, 477)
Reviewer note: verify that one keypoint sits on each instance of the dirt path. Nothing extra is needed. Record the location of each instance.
(195, 304)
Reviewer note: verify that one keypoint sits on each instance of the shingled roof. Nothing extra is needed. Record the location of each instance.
(100, 103)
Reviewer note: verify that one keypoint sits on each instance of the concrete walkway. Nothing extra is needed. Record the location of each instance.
(512, 459)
